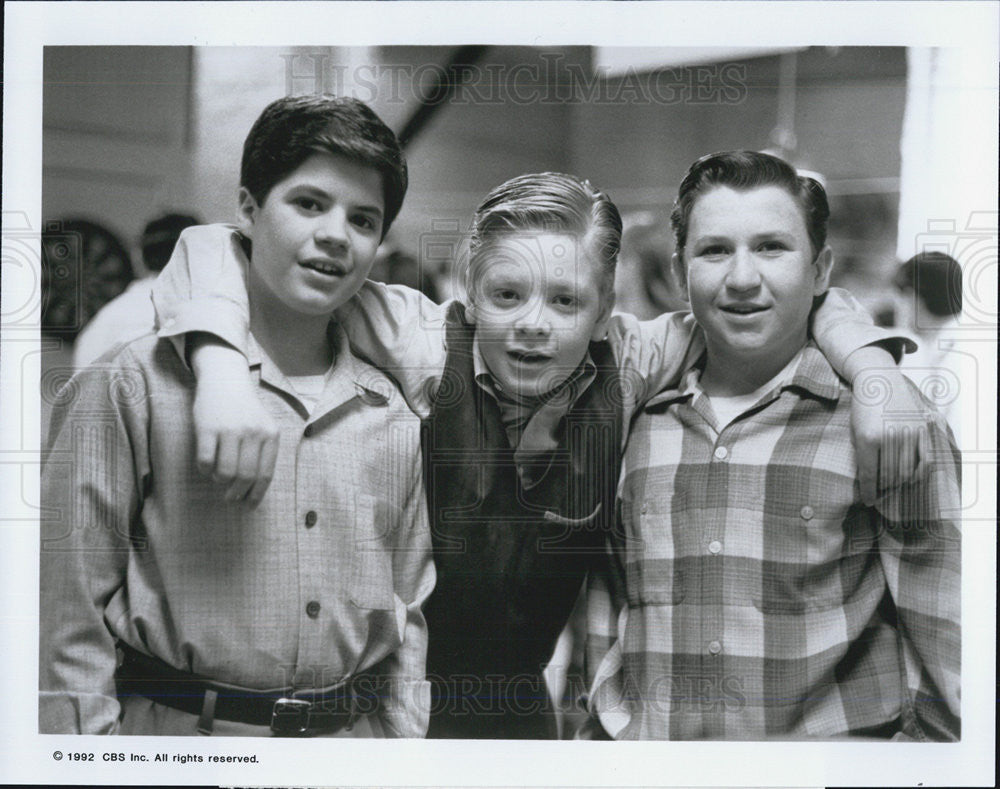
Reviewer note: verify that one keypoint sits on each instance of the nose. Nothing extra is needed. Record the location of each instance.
(533, 324)
(331, 229)
(743, 274)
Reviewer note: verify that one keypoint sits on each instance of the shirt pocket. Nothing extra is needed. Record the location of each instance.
(816, 564)
(371, 562)
(653, 573)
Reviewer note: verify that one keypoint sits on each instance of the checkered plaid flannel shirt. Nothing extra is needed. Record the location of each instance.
(752, 595)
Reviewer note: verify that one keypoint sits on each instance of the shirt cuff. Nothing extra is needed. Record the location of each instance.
(62, 712)
(838, 345)
(606, 696)
(212, 315)
(406, 707)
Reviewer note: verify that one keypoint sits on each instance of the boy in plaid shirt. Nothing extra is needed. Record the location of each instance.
(762, 598)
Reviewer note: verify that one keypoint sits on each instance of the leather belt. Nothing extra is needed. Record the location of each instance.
(286, 711)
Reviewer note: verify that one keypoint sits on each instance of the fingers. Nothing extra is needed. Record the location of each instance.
(206, 445)
(227, 458)
(247, 462)
(892, 457)
(868, 472)
(903, 458)
(253, 470)
(265, 471)
(908, 455)
(232, 462)
(922, 472)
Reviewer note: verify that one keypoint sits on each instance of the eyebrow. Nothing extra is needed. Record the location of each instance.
(318, 192)
(720, 239)
(501, 279)
(711, 239)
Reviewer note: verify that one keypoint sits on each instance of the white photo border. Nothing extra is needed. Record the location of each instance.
(29, 757)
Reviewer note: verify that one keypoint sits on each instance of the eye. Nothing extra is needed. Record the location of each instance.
(713, 251)
(564, 301)
(308, 204)
(506, 296)
(772, 247)
(364, 221)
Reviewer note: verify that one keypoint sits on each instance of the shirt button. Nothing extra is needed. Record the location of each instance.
(721, 453)
(806, 512)
(714, 546)
(715, 647)
(312, 609)
(311, 517)
(645, 507)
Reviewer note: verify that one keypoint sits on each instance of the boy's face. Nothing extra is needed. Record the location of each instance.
(536, 300)
(751, 275)
(315, 235)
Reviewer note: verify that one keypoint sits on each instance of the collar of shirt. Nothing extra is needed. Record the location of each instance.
(813, 374)
(350, 377)
(532, 425)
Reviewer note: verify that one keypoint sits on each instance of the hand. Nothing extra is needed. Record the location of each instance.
(889, 423)
(236, 438)
(591, 729)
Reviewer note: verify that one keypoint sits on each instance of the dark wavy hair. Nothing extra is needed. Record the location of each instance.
(292, 129)
(936, 278)
(742, 170)
(551, 202)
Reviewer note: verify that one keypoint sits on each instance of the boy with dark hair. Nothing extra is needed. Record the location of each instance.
(763, 597)
(301, 617)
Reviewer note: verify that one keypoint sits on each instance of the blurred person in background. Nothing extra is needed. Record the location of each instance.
(131, 314)
(930, 285)
(643, 283)
(396, 266)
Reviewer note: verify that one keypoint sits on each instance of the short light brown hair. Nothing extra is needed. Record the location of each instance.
(553, 203)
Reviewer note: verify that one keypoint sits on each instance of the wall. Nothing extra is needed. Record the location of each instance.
(116, 134)
(133, 130)
(848, 116)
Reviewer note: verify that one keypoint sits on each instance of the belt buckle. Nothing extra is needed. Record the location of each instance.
(290, 717)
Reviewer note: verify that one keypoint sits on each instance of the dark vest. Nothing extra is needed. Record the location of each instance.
(510, 562)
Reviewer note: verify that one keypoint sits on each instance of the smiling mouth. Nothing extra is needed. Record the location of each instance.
(744, 309)
(529, 357)
(329, 268)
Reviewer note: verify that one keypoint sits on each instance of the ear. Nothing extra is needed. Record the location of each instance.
(246, 212)
(822, 267)
(469, 296)
(600, 331)
(678, 273)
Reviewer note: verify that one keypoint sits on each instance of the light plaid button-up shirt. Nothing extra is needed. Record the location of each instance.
(756, 595)
(323, 580)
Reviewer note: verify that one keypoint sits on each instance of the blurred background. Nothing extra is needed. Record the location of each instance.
(136, 134)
